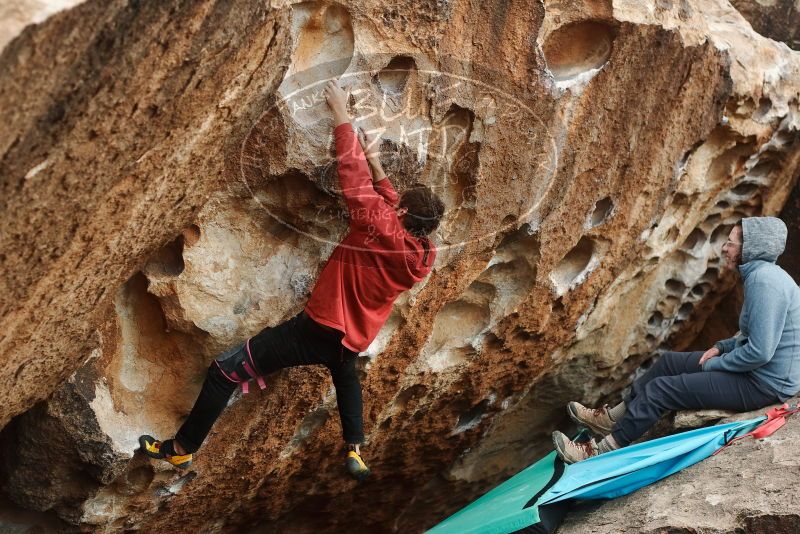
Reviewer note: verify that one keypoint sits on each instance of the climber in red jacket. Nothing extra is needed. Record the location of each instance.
(385, 252)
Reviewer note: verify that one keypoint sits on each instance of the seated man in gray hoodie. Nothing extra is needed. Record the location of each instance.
(758, 367)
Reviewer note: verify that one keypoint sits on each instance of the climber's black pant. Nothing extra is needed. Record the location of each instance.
(677, 382)
(298, 341)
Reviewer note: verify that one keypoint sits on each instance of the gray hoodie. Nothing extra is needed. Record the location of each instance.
(768, 345)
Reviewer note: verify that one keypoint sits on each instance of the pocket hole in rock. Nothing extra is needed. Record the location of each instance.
(456, 327)
(325, 35)
(699, 290)
(672, 234)
(675, 287)
(169, 259)
(680, 199)
(323, 50)
(720, 235)
(602, 209)
(472, 417)
(573, 265)
(392, 79)
(655, 320)
(764, 105)
(742, 211)
(763, 169)
(685, 311)
(745, 189)
(695, 240)
(578, 47)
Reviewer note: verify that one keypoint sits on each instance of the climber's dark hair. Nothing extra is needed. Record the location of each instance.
(425, 210)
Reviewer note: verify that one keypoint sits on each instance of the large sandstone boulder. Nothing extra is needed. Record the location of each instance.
(168, 189)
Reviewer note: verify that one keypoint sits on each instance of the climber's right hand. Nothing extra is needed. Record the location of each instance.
(369, 144)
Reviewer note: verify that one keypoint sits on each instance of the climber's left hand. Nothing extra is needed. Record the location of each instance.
(336, 98)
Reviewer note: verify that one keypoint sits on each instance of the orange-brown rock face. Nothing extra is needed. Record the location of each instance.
(169, 189)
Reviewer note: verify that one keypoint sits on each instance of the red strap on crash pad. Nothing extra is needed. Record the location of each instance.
(776, 418)
(767, 428)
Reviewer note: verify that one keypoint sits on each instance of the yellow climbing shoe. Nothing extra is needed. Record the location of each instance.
(164, 450)
(356, 467)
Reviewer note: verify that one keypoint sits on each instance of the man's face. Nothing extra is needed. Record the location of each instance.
(732, 249)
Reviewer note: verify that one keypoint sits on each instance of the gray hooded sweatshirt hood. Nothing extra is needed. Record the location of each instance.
(768, 345)
(763, 238)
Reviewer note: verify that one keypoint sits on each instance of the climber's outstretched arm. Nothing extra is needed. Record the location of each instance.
(370, 143)
(371, 205)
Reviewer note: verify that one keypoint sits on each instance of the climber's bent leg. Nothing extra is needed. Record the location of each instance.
(298, 341)
(302, 341)
(217, 390)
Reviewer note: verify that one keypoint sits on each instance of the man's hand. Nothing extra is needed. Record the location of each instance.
(337, 101)
(713, 352)
(370, 144)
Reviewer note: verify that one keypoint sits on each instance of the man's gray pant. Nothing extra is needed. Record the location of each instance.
(677, 382)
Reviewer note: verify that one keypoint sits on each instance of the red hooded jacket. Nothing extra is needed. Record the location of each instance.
(376, 261)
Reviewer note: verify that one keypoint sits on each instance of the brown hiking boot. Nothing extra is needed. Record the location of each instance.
(574, 451)
(597, 420)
